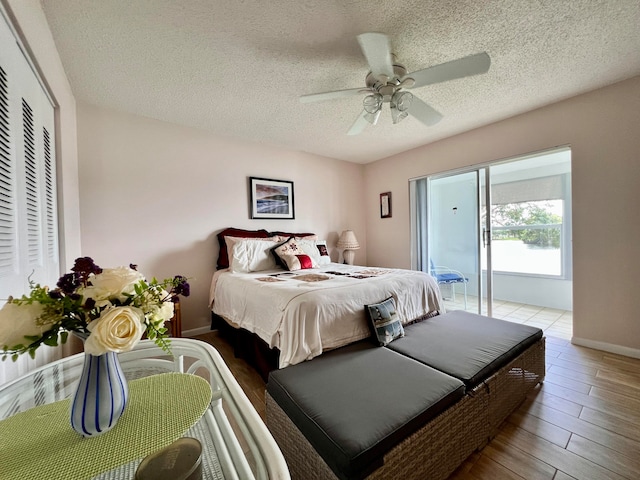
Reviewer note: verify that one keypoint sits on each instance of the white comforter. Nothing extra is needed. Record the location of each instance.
(305, 312)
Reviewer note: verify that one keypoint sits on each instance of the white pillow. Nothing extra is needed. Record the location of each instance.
(250, 254)
(309, 247)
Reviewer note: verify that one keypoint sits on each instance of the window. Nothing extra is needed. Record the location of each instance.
(530, 216)
(527, 237)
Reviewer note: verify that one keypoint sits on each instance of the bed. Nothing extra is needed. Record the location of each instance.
(319, 307)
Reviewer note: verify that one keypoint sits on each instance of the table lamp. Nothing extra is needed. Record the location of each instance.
(348, 243)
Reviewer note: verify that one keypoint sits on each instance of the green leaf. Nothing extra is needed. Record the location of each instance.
(51, 341)
(64, 336)
(14, 357)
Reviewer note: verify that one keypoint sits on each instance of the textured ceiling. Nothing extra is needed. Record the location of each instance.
(237, 68)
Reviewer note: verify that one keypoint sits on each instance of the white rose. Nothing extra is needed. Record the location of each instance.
(16, 321)
(166, 311)
(118, 329)
(112, 283)
(162, 313)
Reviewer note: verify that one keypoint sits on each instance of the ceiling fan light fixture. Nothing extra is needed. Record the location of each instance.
(372, 103)
(397, 116)
(387, 80)
(402, 100)
(372, 118)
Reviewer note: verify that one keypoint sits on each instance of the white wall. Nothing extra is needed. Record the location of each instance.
(603, 130)
(156, 194)
(542, 291)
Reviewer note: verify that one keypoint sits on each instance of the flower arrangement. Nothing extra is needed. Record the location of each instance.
(111, 308)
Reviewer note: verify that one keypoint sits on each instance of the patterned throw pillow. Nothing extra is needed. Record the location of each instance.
(292, 257)
(325, 259)
(385, 321)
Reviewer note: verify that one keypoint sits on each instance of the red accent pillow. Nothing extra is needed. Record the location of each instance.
(223, 255)
(305, 261)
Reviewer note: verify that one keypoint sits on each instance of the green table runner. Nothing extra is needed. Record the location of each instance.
(40, 443)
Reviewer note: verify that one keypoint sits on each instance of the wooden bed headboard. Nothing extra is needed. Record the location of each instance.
(223, 254)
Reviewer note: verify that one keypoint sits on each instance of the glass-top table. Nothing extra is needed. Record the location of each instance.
(236, 443)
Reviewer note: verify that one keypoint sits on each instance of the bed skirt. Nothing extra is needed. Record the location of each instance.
(248, 346)
(256, 352)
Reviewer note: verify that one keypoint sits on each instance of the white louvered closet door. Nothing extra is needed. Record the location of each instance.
(28, 210)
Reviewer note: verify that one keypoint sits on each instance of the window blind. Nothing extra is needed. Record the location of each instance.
(7, 185)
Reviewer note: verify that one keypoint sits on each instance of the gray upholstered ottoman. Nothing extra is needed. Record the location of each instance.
(505, 356)
(368, 412)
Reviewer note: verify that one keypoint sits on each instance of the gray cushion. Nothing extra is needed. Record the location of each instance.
(464, 345)
(356, 403)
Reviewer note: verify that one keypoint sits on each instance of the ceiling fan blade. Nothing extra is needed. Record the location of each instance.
(319, 97)
(424, 112)
(463, 67)
(377, 50)
(359, 125)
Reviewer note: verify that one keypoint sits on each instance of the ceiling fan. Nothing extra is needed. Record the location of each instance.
(388, 82)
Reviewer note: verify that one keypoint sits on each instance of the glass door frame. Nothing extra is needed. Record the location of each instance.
(483, 234)
(486, 240)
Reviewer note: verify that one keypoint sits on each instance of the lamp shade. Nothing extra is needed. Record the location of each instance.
(348, 241)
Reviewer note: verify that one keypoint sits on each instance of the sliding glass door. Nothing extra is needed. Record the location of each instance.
(453, 239)
(498, 234)
(530, 223)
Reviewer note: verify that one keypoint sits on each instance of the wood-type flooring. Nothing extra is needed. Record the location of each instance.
(582, 423)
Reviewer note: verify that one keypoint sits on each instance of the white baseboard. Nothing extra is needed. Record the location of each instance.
(196, 331)
(607, 347)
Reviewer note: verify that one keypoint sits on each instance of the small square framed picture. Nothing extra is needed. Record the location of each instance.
(271, 198)
(385, 205)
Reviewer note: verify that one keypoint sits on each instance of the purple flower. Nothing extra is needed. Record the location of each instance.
(55, 294)
(181, 286)
(133, 266)
(84, 267)
(68, 283)
(89, 304)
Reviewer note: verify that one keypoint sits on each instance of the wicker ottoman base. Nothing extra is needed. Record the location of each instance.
(509, 386)
(439, 447)
(432, 452)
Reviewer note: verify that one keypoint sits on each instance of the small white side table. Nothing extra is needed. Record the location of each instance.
(236, 442)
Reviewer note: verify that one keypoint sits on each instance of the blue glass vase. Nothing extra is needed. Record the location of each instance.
(101, 395)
